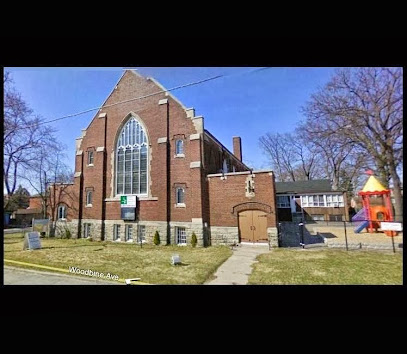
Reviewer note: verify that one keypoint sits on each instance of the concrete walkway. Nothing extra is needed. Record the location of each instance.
(19, 276)
(236, 270)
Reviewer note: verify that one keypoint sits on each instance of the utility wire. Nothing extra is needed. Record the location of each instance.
(141, 97)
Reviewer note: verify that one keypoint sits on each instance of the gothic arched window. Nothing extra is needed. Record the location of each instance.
(132, 159)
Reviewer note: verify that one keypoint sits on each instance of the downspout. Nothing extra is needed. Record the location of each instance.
(104, 155)
(80, 199)
(168, 160)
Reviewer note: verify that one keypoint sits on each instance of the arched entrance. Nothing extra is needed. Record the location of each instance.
(253, 226)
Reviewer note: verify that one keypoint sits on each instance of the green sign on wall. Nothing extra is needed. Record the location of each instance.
(128, 201)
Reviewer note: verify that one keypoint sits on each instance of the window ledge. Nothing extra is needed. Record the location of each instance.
(180, 205)
(90, 165)
(179, 155)
(62, 219)
(117, 240)
(88, 206)
(130, 241)
(181, 244)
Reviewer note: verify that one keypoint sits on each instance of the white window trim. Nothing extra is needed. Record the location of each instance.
(177, 229)
(332, 204)
(64, 213)
(180, 205)
(179, 155)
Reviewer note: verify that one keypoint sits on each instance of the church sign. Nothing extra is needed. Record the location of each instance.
(128, 201)
(128, 207)
(32, 241)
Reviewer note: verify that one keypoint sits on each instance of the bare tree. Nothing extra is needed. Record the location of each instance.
(52, 179)
(24, 135)
(291, 157)
(364, 107)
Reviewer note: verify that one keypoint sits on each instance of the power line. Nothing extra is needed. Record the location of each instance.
(145, 96)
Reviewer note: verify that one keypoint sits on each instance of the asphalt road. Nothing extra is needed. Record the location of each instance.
(19, 276)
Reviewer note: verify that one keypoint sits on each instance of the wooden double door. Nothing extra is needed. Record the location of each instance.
(253, 226)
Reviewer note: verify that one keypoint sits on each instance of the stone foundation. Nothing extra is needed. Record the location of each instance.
(272, 233)
(150, 228)
(215, 235)
(222, 235)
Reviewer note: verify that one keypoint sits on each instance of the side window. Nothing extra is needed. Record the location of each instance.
(180, 195)
(89, 197)
(90, 157)
(61, 212)
(179, 147)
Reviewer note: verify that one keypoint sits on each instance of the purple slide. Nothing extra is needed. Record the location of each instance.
(361, 226)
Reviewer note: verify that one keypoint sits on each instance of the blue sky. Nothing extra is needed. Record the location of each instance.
(246, 105)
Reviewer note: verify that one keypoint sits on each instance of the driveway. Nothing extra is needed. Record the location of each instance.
(19, 276)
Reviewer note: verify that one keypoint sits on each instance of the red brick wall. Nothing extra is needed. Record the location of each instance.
(227, 193)
(67, 195)
(154, 118)
(35, 203)
(214, 156)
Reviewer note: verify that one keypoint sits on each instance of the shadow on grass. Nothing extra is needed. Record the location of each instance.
(11, 243)
(181, 265)
(327, 235)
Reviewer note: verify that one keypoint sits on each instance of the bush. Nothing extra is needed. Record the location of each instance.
(194, 240)
(68, 233)
(156, 238)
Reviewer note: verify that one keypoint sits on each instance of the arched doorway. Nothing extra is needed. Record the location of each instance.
(253, 226)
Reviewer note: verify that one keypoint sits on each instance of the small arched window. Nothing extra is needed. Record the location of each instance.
(61, 211)
(180, 196)
(89, 197)
(179, 147)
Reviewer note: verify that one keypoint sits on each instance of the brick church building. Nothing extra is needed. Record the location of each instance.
(148, 164)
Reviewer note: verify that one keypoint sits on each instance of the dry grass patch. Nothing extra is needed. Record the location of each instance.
(331, 267)
(151, 263)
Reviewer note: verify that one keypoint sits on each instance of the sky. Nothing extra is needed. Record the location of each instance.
(243, 103)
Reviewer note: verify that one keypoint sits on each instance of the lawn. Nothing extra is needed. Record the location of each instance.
(329, 267)
(150, 263)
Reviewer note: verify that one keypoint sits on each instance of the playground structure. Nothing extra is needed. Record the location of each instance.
(370, 216)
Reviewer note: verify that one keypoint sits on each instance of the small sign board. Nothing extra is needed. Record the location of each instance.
(391, 226)
(41, 225)
(32, 241)
(128, 201)
(175, 259)
(128, 214)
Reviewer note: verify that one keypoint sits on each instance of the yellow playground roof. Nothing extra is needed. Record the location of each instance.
(373, 185)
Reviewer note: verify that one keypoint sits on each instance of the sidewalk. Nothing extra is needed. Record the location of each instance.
(19, 276)
(236, 270)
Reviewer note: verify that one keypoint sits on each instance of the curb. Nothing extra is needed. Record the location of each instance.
(59, 270)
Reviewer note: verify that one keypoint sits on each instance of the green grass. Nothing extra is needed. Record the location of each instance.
(305, 267)
(151, 263)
